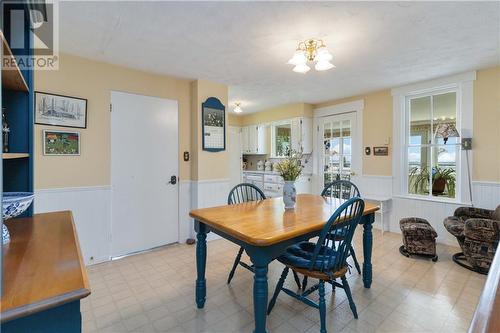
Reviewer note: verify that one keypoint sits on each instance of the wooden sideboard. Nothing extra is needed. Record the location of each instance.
(44, 275)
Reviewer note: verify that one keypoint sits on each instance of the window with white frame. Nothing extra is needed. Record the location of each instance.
(281, 134)
(432, 144)
(430, 120)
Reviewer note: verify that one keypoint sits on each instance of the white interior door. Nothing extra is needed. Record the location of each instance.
(144, 156)
(338, 148)
(234, 155)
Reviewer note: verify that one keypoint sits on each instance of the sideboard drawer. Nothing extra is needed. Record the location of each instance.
(273, 179)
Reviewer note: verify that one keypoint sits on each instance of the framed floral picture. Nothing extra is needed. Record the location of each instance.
(58, 143)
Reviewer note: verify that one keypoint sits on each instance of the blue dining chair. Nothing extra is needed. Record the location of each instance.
(343, 189)
(245, 192)
(325, 260)
(340, 189)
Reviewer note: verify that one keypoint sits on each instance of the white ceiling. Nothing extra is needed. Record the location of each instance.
(246, 44)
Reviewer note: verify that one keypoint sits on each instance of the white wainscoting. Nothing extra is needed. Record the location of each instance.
(432, 211)
(91, 207)
(92, 213)
(185, 222)
(209, 193)
(376, 186)
(486, 194)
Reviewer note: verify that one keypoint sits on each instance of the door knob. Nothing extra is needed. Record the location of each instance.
(173, 180)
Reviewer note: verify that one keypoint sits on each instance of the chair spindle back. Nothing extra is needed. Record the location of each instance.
(340, 189)
(244, 192)
(344, 221)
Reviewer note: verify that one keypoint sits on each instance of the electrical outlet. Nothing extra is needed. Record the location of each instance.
(186, 156)
(466, 143)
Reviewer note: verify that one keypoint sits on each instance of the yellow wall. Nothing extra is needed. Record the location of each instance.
(377, 128)
(486, 137)
(94, 81)
(206, 165)
(234, 120)
(276, 113)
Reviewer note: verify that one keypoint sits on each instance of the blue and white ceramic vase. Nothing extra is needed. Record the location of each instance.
(289, 194)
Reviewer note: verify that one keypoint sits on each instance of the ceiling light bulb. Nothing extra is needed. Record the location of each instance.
(323, 54)
(323, 65)
(237, 108)
(301, 68)
(298, 58)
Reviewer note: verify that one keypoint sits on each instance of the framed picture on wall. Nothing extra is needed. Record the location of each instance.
(380, 151)
(57, 143)
(59, 110)
(213, 125)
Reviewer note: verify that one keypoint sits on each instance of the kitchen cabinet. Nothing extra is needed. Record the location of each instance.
(254, 139)
(244, 140)
(301, 135)
(272, 183)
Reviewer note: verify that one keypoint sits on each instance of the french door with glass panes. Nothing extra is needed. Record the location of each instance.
(336, 139)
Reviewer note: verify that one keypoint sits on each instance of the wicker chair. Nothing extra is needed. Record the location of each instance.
(478, 232)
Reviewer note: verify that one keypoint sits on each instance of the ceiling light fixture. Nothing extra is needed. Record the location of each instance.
(237, 108)
(311, 50)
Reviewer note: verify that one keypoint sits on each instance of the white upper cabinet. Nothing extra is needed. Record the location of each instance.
(244, 140)
(254, 139)
(302, 135)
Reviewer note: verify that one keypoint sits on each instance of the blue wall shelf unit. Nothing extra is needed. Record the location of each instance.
(18, 105)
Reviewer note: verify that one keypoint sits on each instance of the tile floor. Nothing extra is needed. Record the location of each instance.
(154, 292)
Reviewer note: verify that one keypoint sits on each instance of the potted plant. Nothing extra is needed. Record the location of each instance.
(290, 169)
(442, 178)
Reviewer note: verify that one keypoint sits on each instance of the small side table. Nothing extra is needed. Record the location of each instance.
(384, 203)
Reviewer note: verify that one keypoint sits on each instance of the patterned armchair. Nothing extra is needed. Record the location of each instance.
(478, 233)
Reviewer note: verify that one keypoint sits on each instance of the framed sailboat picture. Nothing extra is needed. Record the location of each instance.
(59, 110)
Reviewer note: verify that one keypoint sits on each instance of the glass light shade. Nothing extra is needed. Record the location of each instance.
(323, 65)
(237, 109)
(323, 55)
(301, 68)
(445, 131)
(298, 58)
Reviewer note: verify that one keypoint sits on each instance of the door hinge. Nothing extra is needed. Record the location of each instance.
(110, 107)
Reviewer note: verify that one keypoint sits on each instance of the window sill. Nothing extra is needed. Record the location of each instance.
(439, 200)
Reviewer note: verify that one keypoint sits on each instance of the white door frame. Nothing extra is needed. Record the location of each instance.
(179, 165)
(357, 151)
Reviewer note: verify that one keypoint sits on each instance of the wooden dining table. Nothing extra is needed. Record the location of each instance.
(265, 229)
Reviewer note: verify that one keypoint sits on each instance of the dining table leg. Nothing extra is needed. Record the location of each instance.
(260, 297)
(367, 250)
(201, 262)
